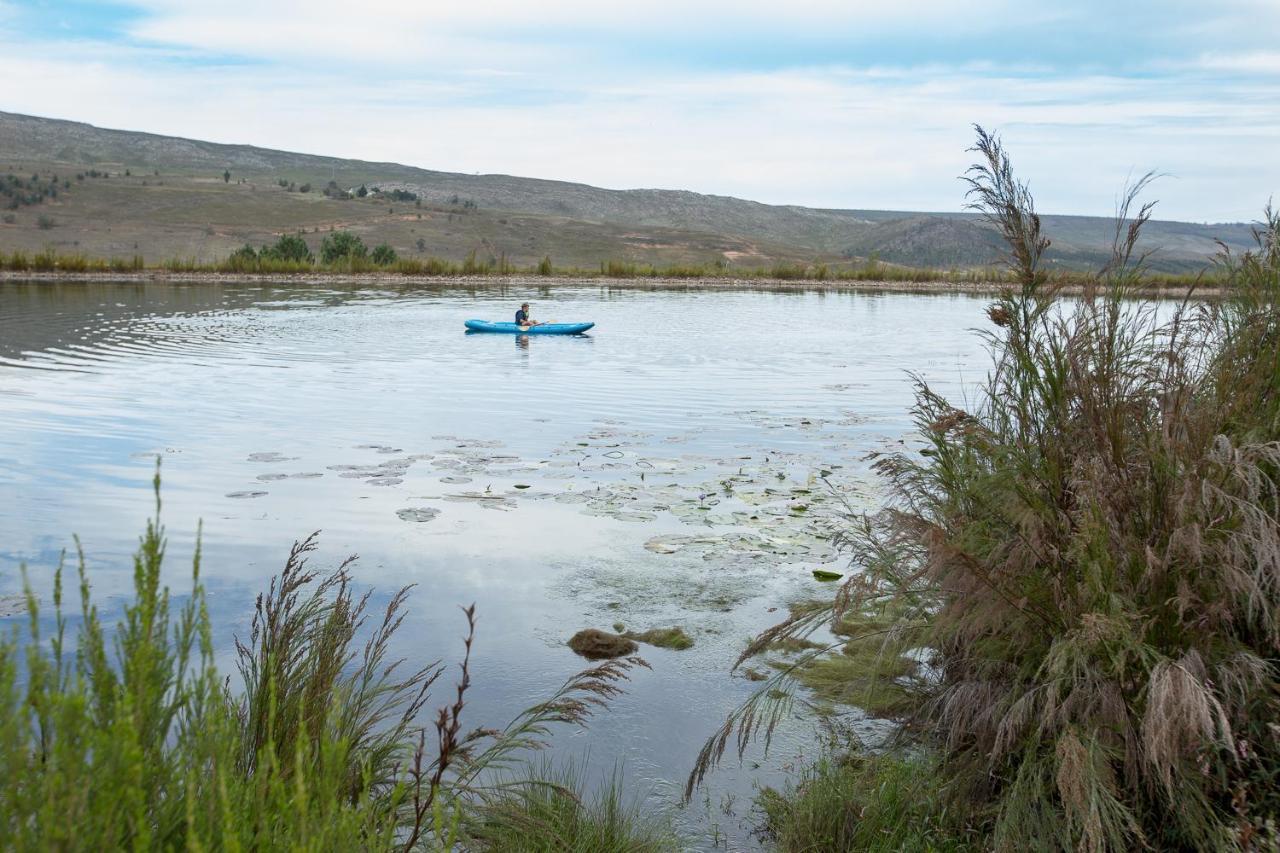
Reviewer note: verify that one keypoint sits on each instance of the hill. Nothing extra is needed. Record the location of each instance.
(120, 192)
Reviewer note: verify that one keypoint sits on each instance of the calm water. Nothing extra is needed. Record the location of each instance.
(671, 466)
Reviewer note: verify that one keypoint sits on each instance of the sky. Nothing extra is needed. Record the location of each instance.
(826, 103)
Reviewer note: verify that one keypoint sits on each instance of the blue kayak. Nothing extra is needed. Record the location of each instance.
(513, 329)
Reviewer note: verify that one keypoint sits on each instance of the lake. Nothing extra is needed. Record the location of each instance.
(677, 466)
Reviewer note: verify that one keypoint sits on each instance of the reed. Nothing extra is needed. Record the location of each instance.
(1091, 555)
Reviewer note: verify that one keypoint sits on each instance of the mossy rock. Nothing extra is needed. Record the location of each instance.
(666, 638)
(597, 645)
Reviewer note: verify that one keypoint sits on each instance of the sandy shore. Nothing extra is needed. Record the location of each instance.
(539, 282)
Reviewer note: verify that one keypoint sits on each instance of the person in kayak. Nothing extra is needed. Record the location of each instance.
(522, 316)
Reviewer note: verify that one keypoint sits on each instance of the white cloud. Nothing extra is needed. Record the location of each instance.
(465, 95)
(1256, 62)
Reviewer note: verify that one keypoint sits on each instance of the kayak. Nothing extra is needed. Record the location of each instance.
(513, 329)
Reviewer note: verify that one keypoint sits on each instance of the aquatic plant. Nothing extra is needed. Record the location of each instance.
(1091, 555)
(559, 816)
(876, 803)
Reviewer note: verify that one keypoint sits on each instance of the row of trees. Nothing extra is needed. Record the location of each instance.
(336, 248)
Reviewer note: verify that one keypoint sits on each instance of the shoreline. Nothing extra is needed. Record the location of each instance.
(976, 288)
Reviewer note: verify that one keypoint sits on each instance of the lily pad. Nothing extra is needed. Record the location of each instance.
(417, 513)
(245, 494)
(271, 457)
(825, 576)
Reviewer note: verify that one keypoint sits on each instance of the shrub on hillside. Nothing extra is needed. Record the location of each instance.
(383, 255)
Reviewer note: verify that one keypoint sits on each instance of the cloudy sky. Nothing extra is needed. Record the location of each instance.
(834, 103)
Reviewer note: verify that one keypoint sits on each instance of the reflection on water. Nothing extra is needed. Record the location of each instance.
(670, 468)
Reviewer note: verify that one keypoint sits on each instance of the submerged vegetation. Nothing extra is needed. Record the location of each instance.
(133, 739)
(1089, 564)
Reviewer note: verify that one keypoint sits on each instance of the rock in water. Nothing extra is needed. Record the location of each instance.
(596, 644)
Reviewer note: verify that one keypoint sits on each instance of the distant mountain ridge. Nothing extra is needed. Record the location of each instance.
(598, 224)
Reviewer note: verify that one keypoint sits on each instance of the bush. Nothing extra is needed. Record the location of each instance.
(132, 741)
(244, 259)
(544, 266)
(383, 255)
(1091, 555)
(342, 246)
(288, 247)
(45, 223)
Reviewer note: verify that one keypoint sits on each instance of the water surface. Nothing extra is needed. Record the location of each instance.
(675, 465)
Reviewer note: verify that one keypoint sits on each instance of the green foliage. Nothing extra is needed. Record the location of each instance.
(244, 259)
(383, 255)
(342, 246)
(865, 803)
(131, 740)
(544, 266)
(557, 816)
(45, 223)
(288, 247)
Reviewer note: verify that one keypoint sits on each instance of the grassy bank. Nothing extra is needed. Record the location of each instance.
(1085, 564)
(131, 739)
(257, 264)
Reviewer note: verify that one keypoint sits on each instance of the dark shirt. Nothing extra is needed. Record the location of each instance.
(522, 318)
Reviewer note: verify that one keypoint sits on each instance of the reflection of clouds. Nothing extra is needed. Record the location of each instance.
(386, 387)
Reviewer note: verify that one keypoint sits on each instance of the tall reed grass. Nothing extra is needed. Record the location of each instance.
(1091, 555)
(132, 740)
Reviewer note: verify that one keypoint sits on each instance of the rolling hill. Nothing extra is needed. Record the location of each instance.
(121, 193)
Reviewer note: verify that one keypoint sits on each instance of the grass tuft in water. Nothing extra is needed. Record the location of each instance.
(556, 815)
(666, 638)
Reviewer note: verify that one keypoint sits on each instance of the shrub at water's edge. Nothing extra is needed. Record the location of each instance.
(133, 740)
(1091, 558)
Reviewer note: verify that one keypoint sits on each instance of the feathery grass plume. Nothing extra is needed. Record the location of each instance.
(1092, 554)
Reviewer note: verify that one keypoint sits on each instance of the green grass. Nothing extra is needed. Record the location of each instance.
(887, 804)
(131, 739)
(557, 815)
